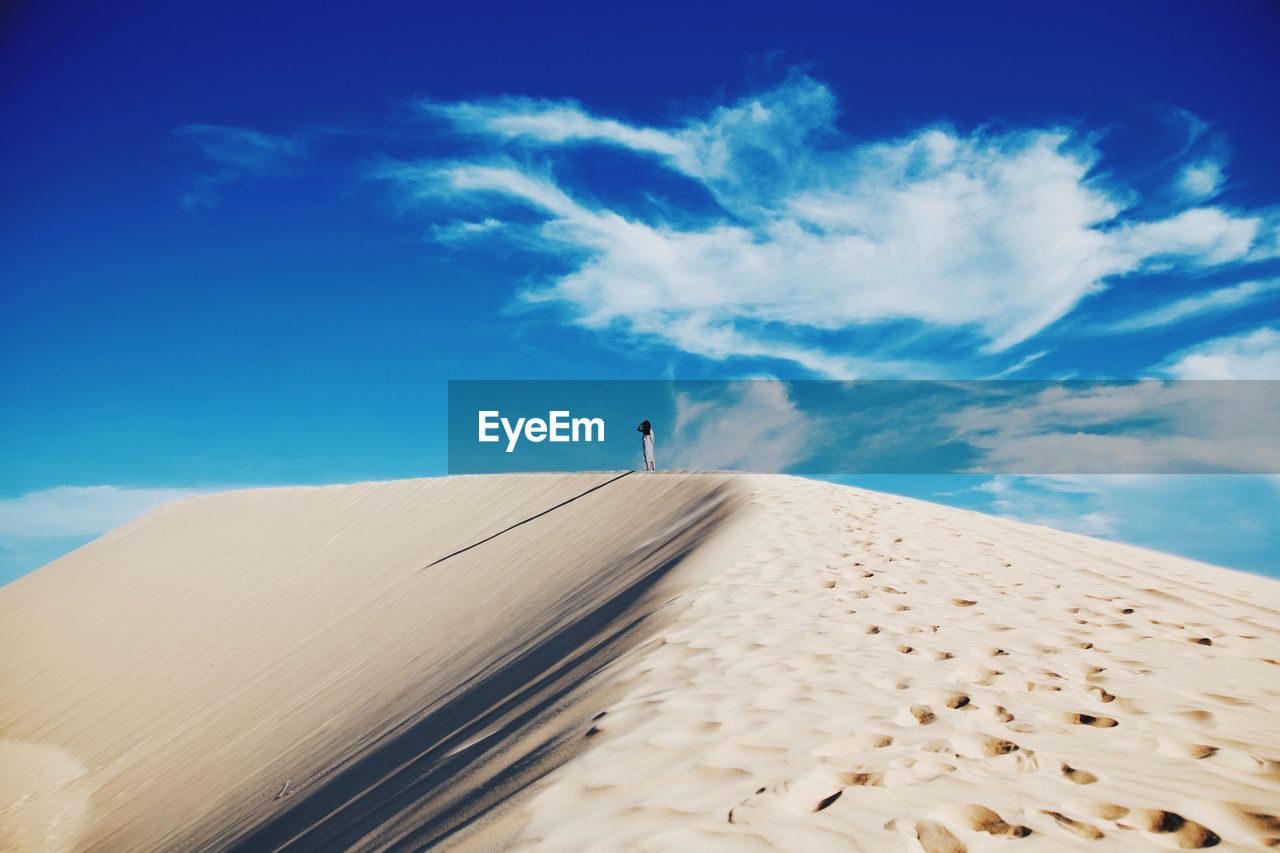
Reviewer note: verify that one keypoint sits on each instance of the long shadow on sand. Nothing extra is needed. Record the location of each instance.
(427, 780)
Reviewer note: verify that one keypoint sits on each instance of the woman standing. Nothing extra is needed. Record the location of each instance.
(646, 440)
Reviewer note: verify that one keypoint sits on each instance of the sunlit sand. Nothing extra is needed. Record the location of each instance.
(644, 661)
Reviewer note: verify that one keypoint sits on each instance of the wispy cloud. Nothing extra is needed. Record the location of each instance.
(252, 151)
(1063, 503)
(69, 511)
(557, 122)
(980, 239)
(1201, 180)
(1250, 355)
(1211, 302)
(232, 153)
(1150, 427)
(462, 231)
(1233, 520)
(751, 425)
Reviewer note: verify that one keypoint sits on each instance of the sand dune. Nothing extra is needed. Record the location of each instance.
(672, 661)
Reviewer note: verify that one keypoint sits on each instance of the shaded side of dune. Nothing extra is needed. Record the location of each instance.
(347, 666)
(519, 719)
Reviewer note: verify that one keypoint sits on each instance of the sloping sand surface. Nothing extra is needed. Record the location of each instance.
(656, 662)
(872, 672)
(227, 659)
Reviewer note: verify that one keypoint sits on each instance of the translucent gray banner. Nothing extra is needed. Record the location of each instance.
(869, 426)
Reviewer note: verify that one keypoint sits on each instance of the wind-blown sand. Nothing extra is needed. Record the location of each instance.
(670, 661)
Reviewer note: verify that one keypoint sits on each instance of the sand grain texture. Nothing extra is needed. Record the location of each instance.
(671, 661)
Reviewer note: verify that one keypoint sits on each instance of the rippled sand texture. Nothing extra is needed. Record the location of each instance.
(657, 662)
(872, 672)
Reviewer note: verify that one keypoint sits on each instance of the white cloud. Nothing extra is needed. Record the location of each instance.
(551, 122)
(1021, 365)
(1060, 503)
(1213, 301)
(1200, 180)
(1252, 355)
(463, 230)
(1147, 427)
(984, 237)
(1229, 520)
(773, 131)
(1204, 236)
(234, 153)
(751, 425)
(251, 150)
(69, 511)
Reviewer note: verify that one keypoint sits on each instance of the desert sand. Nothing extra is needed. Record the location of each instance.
(610, 661)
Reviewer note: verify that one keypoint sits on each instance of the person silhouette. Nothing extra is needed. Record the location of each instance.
(646, 442)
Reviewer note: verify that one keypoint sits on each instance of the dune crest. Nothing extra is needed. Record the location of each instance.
(672, 661)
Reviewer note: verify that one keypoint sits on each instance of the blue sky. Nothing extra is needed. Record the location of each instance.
(244, 245)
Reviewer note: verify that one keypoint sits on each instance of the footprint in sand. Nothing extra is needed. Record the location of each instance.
(1237, 759)
(994, 746)
(1196, 717)
(856, 744)
(1101, 695)
(1076, 775)
(1090, 720)
(1187, 834)
(1002, 714)
(1179, 748)
(1075, 827)
(1033, 687)
(802, 796)
(982, 819)
(915, 715)
(933, 837)
(1264, 826)
(863, 779)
